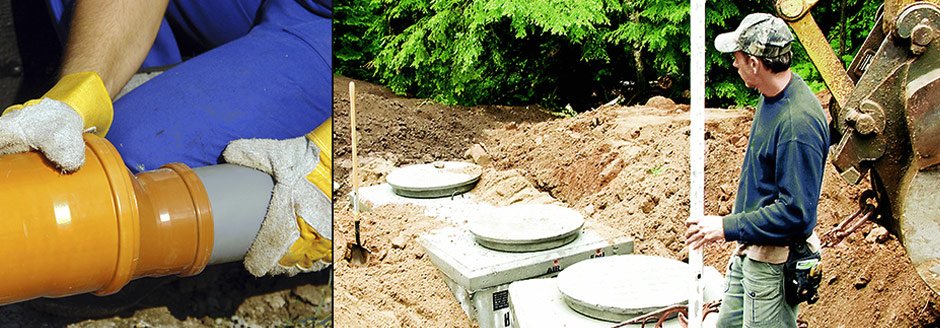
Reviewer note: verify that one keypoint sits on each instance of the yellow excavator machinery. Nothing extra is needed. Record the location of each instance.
(886, 118)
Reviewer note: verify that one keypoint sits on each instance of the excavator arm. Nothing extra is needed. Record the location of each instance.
(886, 118)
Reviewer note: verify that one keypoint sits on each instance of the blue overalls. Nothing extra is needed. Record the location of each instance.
(266, 72)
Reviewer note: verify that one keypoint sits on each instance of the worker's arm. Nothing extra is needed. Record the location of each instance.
(798, 170)
(112, 38)
(799, 174)
(107, 43)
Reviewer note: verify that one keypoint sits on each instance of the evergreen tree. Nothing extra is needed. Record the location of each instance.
(559, 52)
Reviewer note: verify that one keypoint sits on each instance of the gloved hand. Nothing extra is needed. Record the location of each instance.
(297, 230)
(54, 123)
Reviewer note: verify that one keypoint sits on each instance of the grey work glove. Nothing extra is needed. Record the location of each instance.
(50, 126)
(297, 230)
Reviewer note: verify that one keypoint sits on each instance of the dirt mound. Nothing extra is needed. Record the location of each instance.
(400, 287)
(629, 167)
(407, 131)
(625, 167)
(502, 188)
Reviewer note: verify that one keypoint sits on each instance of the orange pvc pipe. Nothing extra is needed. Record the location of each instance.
(97, 228)
(175, 222)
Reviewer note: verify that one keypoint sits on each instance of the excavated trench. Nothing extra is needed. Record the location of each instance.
(624, 167)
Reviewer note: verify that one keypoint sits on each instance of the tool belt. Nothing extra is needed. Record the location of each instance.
(802, 274)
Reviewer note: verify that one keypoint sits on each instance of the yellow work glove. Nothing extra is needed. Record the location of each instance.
(311, 246)
(296, 233)
(54, 123)
(322, 175)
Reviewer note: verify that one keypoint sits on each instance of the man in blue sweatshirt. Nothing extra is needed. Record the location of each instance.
(780, 180)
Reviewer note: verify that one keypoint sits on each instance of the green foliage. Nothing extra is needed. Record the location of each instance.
(858, 21)
(656, 170)
(356, 37)
(802, 66)
(724, 86)
(487, 51)
(653, 29)
(555, 52)
(558, 52)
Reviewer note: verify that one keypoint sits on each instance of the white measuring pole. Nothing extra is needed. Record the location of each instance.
(697, 155)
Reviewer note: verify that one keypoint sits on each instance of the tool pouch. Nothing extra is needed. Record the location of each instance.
(802, 275)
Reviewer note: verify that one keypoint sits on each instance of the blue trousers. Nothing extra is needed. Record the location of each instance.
(266, 73)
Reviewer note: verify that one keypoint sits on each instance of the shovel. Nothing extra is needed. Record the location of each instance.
(359, 255)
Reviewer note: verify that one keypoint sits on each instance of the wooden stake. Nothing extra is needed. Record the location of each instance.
(355, 146)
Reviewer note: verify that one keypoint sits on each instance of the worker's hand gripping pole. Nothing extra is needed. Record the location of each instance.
(697, 155)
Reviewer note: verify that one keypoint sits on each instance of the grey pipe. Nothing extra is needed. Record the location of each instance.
(239, 197)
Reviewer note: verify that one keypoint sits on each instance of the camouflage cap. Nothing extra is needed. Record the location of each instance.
(761, 35)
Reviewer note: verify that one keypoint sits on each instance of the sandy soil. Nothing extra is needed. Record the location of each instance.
(582, 165)
(400, 286)
(406, 131)
(626, 167)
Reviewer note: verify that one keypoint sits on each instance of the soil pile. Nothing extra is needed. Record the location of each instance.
(407, 131)
(625, 167)
(628, 168)
(400, 286)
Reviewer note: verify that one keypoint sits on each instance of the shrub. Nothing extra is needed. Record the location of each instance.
(557, 52)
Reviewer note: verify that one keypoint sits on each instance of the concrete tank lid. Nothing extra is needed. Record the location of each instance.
(617, 288)
(521, 224)
(434, 176)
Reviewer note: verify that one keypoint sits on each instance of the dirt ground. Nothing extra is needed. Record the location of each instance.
(222, 296)
(626, 167)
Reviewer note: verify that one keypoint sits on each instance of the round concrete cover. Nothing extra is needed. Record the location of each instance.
(522, 224)
(618, 288)
(435, 179)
